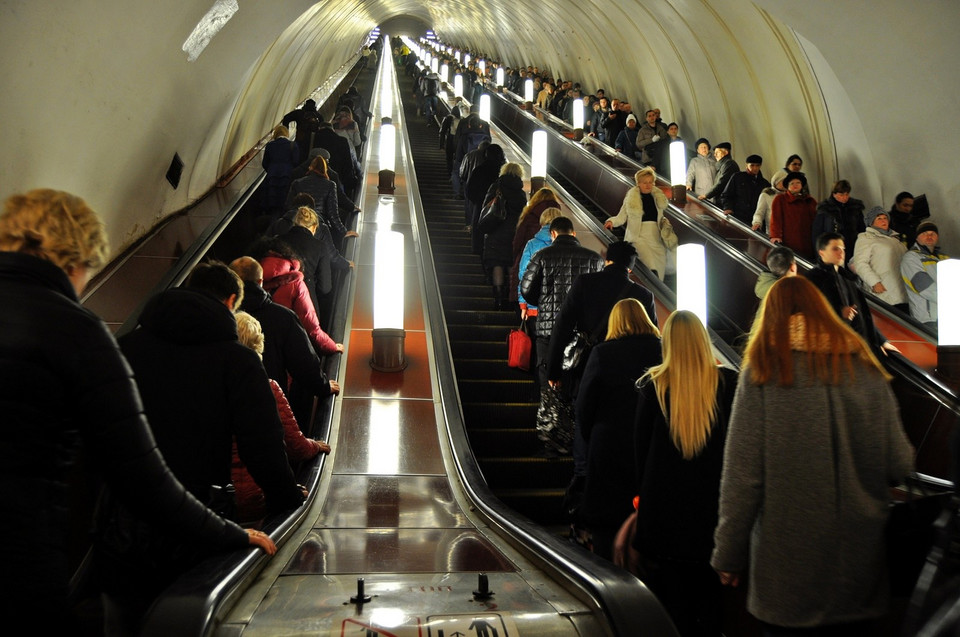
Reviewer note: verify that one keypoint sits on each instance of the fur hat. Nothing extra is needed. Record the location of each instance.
(725, 145)
(795, 175)
(778, 177)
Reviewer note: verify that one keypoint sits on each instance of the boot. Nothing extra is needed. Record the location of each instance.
(499, 297)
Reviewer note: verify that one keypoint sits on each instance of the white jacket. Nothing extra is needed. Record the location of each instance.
(646, 237)
(877, 260)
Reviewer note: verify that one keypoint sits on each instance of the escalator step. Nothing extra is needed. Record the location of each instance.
(499, 390)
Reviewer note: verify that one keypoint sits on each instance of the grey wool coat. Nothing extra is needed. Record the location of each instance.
(804, 495)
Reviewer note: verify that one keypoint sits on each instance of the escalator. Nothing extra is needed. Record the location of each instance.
(499, 403)
(929, 405)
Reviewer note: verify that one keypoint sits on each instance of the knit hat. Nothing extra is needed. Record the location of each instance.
(777, 177)
(795, 175)
(927, 226)
(702, 140)
(725, 145)
(631, 117)
(318, 151)
(873, 213)
(754, 159)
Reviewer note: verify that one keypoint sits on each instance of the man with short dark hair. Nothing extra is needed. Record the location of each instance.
(648, 134)
(741, 193)
(903, 219)
(545, 283)
(781, 262)
(202, 389)
(844, 290)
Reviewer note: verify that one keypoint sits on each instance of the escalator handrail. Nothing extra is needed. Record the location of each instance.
(189, 605)
(624, 600)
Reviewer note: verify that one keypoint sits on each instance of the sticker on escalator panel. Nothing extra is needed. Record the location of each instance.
(490, 625)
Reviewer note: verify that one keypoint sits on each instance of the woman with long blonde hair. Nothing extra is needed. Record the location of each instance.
(680, 429)
(815, 443)
(605, 406)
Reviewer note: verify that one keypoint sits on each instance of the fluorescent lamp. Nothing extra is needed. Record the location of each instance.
(435, 65)
(678, 163)
(528, 90)
(692, 280)
(388, 280)
(458, 85)
(538, 156)
(485, 107)
(500, 76)
(388, 147)
(578, 113)
(948, 303)
(483, 67)
(466, 59)
(445, 73)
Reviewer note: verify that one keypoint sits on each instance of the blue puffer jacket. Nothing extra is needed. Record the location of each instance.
(540, 240)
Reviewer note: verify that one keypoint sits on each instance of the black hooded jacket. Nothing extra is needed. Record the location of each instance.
(201, 388)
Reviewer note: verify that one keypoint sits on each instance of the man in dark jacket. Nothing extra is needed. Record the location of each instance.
(741, 193)
(545, 283)
(726, 169)
(287, 352)
(201, 389)
(840, 213)
(342, 156)
(586, 309)
(307, 120)
(844, 290)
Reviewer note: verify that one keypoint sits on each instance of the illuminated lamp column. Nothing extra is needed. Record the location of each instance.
(500, 77)
(528, 94)
(458, 85)
(483, 68)
(445, 74)
(388, 334)
(692, 280)
(456, 56)
(948, 320)
(678, 173)
(435, 64)
(466, 59)
(485, 108)
(538, 161)
(387, 157)
(578, 119)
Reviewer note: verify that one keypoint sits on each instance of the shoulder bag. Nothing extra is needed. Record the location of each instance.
(492, 214)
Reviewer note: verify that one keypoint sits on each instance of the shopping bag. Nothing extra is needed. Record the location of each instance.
(518, 347)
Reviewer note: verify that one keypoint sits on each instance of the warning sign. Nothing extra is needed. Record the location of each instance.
(355, 628)
(492, 625)
(479, 625)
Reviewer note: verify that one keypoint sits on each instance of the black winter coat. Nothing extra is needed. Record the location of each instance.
(726, 169)
(846, 219)
(67, 385)
(842, 288)
(741, 194)
(679, 499)
(550, 274)
(605, 408)
(201, 388)
(587, 306)
(286, 346)
(498, 245)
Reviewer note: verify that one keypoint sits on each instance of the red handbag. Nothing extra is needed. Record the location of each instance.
(518, 347)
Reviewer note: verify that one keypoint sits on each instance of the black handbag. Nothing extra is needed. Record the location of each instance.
(492, 214)
(576, 351)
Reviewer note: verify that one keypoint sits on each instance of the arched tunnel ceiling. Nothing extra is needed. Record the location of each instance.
(862, 90)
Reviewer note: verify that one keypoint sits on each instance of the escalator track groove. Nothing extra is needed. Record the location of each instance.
(499, 403)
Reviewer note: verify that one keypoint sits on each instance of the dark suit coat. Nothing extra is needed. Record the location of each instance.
(588, 305)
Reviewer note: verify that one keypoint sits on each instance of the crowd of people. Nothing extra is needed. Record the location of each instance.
(198, 420)
(691, 475)
(783, 208)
